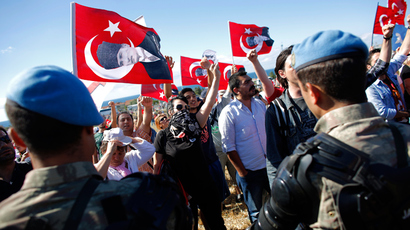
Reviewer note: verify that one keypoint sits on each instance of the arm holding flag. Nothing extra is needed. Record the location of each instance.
(113, 115)
(386, 51)
(379, 69)
(167, 86)
(261, 73)
(147, 116)
(205, 64)
(203, 113)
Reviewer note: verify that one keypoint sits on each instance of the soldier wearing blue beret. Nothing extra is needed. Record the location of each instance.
(326, 184)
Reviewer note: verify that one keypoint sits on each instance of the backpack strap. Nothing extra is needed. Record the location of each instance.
(81, 203)
(76, 213)
(283, 127)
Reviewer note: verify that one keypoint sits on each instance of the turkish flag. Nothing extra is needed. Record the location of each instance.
(193, 74)
(399, 8)
(247, 37)
(226, 69)
(155, 91)
(110, 48)
(383, 16)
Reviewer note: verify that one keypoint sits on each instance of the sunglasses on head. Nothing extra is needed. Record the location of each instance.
(180, 107)
(5, 139)
(162, 119)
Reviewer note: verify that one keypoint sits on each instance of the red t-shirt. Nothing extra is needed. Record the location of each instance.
(275, 94)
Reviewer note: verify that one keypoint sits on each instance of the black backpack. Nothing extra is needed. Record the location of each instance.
(373, 196)
(157, 198)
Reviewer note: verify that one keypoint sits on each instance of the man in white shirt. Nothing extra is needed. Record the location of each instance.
(242, 127)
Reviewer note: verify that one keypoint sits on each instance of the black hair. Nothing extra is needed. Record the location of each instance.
(184, 90)
(124, 112)
(4, 130)
(170, 105)
(343, 79)
(371, 54)
(234, 81)
(42, 134)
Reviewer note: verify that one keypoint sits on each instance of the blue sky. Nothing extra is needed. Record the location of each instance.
(39, 32)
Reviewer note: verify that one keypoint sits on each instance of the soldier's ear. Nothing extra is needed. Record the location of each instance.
(314, 93)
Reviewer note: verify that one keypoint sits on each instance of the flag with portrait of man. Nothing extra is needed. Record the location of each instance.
(110, 48)
(193, 74)
(245, 37)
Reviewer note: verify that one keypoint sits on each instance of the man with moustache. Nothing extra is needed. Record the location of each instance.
(242, 128)
(12, 173)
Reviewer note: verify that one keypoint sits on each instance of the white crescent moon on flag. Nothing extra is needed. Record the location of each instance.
(192, 66)
(155, 86)
(392, 6)
(112, 74)
(226, 72)
(246, 50)
(381, 19)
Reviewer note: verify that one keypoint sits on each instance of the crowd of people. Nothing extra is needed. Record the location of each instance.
(339, 118)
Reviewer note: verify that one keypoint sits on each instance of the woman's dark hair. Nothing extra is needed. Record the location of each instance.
(280, 65)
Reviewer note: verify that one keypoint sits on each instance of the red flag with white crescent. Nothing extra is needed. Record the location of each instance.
(383, 16)
(245, 37)
(110, 48)
(226, 73)
(155, 91)
(399, 8)
(193, 74)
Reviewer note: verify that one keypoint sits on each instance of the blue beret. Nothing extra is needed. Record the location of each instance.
(327, 45)
(56, 93)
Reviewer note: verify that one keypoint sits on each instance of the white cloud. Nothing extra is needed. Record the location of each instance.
(7, 50)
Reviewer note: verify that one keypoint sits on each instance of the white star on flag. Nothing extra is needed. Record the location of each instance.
(400, 12)
(113, 28)
(161, 94)
(248, 31)
(199, 81)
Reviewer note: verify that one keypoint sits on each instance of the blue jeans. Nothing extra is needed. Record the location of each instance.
(252, 186)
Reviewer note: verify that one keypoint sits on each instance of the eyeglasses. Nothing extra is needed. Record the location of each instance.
(162, 119)
(180, 107)
(5, 139)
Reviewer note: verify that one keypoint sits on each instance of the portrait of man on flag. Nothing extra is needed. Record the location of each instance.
(110, 48)
(245, 37)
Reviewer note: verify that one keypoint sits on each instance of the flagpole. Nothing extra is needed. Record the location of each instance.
(73, 47)
(374, 24)
(229, 32)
